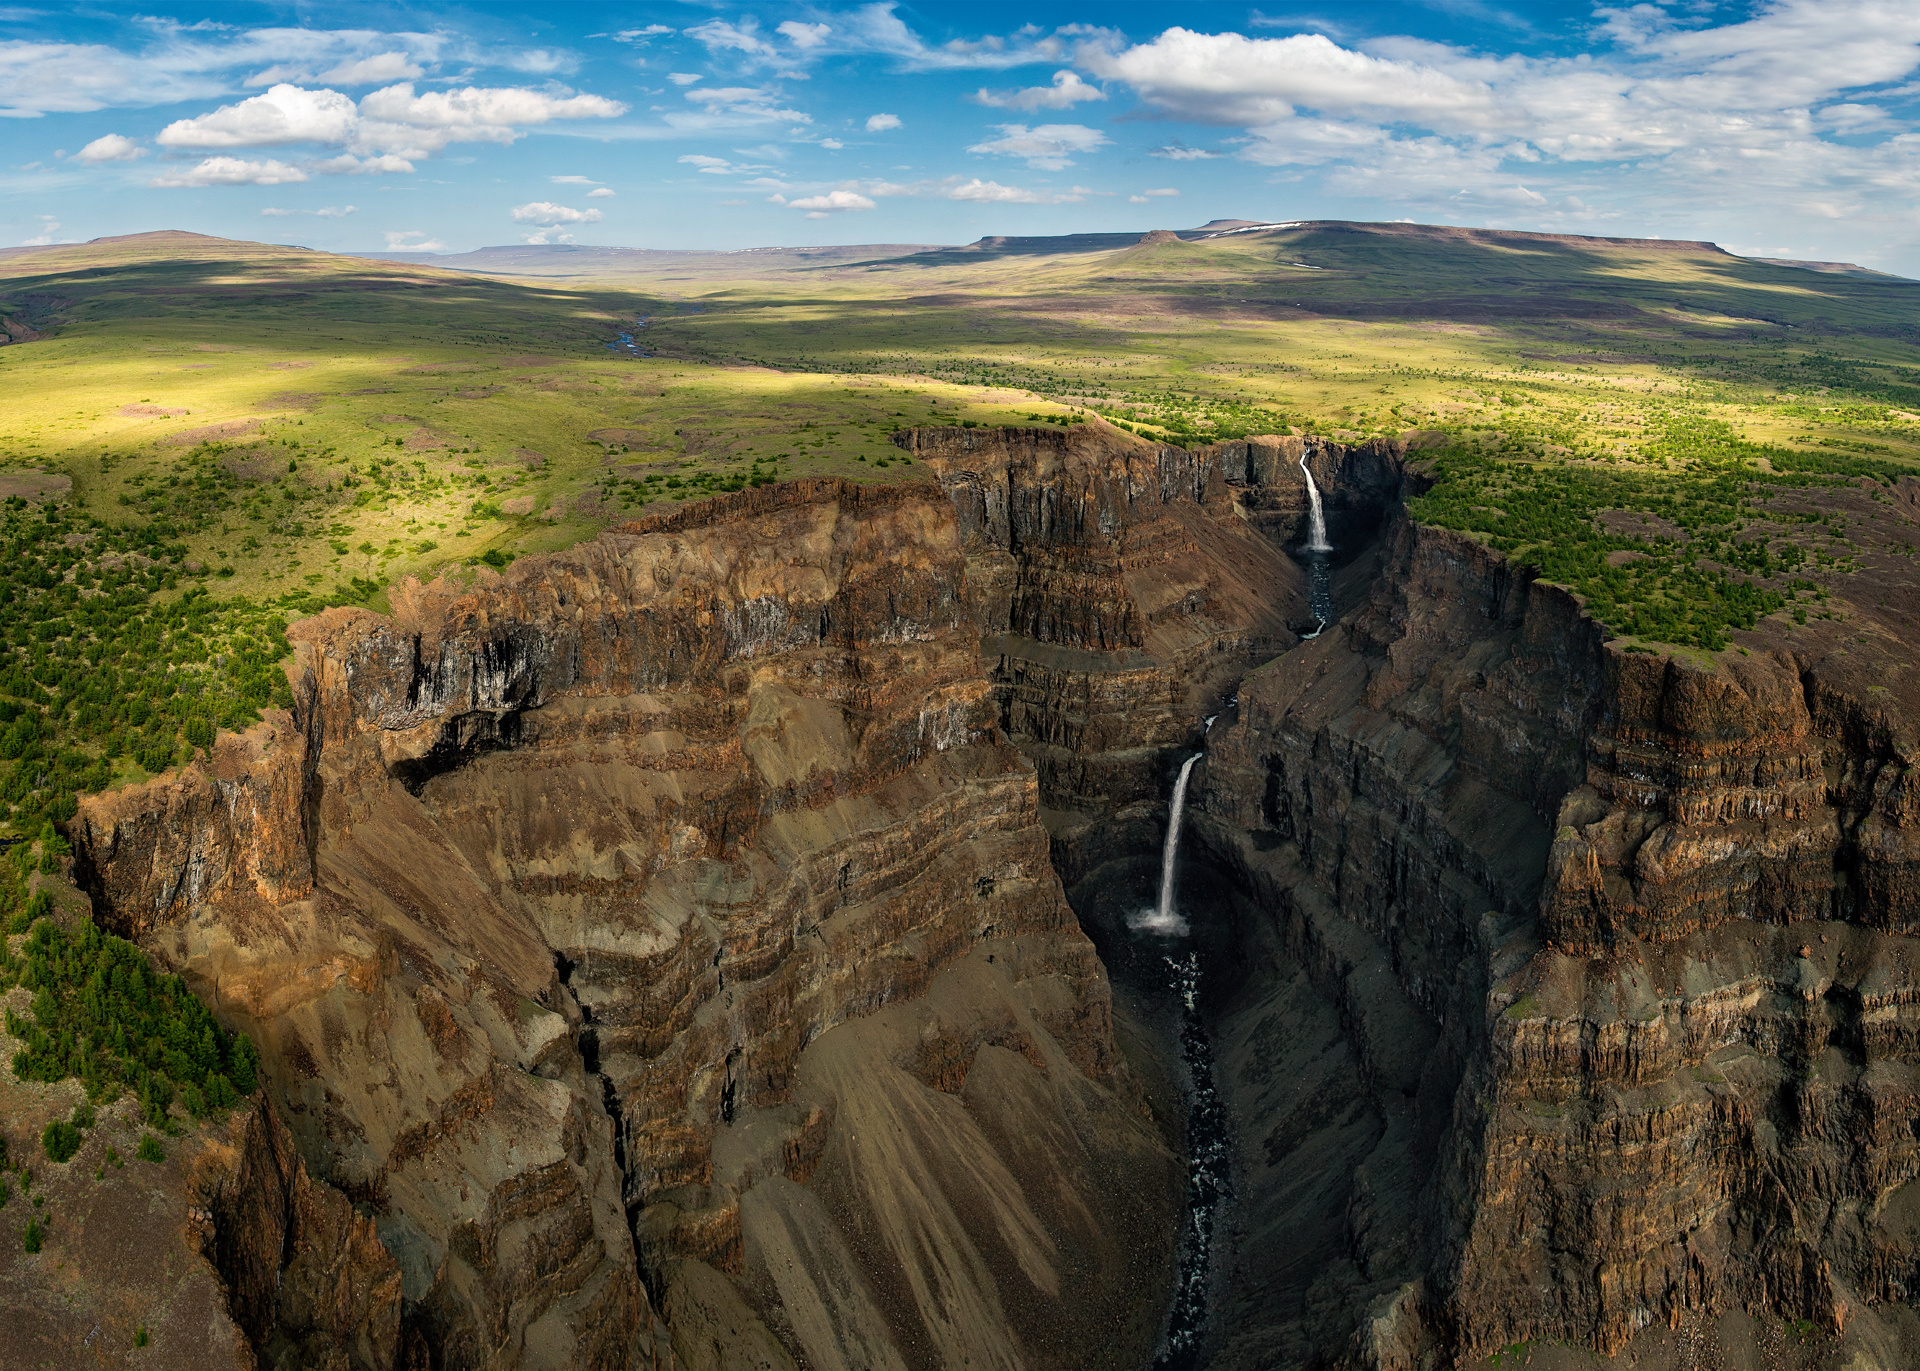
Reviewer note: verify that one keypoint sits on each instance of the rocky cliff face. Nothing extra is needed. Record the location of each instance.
(1596, 961)
(1121, 589)
(307, 1279)
(673, 906)
(659, 950)
(1719, 1022)
(1380, 794)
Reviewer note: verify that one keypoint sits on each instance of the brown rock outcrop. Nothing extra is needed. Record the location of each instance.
(1609, 952)
(1121, 585)
(307, 1279)
(664, 903)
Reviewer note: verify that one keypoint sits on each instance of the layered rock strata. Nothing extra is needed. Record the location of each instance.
(307, 1278)
(1122, 587)
(674, 906)
(1595, 961)
(683, 906)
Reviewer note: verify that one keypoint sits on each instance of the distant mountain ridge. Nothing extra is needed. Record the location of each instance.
(520, 258)
(582, 259)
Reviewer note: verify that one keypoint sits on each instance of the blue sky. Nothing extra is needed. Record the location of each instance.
(1784, 128)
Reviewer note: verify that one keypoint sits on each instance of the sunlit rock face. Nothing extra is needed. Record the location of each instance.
(663, 948)
(674, 908)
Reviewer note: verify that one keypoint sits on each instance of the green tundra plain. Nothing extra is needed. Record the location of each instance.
(202, 440)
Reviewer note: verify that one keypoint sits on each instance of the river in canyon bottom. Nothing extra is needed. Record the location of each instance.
(1166, 975)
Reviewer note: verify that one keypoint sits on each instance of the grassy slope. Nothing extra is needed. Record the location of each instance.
(281, 429)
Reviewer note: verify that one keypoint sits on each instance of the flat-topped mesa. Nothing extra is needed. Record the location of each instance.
(644, 895)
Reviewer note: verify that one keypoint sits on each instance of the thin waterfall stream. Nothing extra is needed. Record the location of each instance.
(1318, 550)
(1208, 1152)
(1163, 918)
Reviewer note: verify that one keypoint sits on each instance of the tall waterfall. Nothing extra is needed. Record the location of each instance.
(1164, 919)
(1317, 533)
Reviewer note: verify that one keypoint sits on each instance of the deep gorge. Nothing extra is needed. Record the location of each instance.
(707, 946)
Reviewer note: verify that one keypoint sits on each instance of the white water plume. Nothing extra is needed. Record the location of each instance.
(1161, 920)
(1317, 529)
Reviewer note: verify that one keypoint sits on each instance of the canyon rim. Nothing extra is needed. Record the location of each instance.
(1136, 885)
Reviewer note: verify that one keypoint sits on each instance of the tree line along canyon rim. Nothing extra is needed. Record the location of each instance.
(1311, 794)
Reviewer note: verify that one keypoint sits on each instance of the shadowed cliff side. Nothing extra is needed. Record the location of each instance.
(674, 906)
(1122, 587)
(1379, 791)
(1595, 961)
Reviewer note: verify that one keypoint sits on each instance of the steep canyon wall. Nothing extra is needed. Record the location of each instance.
(674, 905)
(662, 947)
(1122, 588)
(1596, 962)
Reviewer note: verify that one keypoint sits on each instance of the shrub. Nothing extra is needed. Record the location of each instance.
(61, 1140)
(34, 1234)
(101, 1012)
(140, 1337)
(150, 1149)
(221, 1096)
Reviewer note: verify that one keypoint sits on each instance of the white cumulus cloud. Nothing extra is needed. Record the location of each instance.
(1049, 147)
(346, 164)
(285, 114)
(231, 171)
(327, 212)
(403, 239)
(1228, 78)
(993, 193)
(833, 201)
(547, 213)
(1066, 91)
(396, 119)
(602, 193)
(110, 147)
(392, 122)
(880, 123)
(803, 35)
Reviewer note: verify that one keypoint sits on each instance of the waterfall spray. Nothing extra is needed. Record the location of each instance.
(1164, 916)
(1161, 920)
(1319, 584)
(1317, 529)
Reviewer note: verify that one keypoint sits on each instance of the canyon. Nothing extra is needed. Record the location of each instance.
(709, 946)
